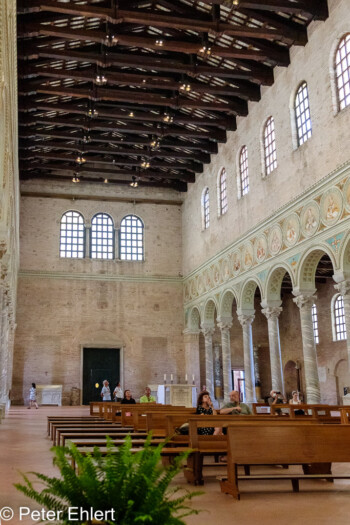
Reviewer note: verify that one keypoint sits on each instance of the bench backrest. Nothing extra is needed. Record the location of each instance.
(271, 443)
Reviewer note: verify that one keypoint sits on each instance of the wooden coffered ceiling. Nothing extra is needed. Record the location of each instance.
(144, 90)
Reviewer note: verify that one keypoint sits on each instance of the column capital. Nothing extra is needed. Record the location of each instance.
(207, 330)
(245, 319)
(305, 300)
(272, 312)
(224, 323)
(343, 287)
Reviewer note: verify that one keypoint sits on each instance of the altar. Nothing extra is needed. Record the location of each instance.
(49, 394)
(177, 395)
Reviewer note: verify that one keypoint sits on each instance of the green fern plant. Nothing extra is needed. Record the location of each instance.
(135, 485)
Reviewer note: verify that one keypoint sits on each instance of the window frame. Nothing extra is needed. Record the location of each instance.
(243, 167)
(222, 208)
(113, 238)
(265, 154)
(300, 136)
(314, 315)
(205, 203)
(80, 215)
(344, 38)
(334, 316)
(120, 238)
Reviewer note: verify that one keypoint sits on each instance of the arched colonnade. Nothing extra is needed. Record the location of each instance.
(238, 299)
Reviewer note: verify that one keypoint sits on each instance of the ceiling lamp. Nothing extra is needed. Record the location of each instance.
(100, 80)
(75, 178)
(159, 43)
(92, 112)
(168, 118)
(131, 114)
(134, 182)
(145, 164)
(205, 50)
(155, 145)
(80, 159)
(185, 87)
(235, 2)
(86, 138)
(106, 181)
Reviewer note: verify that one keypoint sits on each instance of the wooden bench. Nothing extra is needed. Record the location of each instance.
(64, 426)
(55, 419)
(271, 443)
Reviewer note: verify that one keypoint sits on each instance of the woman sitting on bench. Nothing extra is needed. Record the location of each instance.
(205, 408)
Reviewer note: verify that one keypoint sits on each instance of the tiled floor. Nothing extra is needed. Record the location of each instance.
(24, 446)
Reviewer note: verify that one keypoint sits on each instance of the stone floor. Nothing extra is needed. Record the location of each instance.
(24, 446)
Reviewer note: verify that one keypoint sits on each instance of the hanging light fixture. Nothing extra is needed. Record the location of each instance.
(75, 178)
(168, 118)
(145, 164)
(134, 183)
(185, 87)
(106, 181)
(80, 159)
(159, 43)
(101, 80)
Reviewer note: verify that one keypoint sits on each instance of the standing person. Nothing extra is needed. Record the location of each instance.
(235, 407)
(118, 393)
(32, 397)
(128, 399)
(147, 398)
(106, 391)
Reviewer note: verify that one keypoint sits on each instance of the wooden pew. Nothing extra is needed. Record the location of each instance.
(57, 428)
(157, 421)
(51, 419)
(271, 443)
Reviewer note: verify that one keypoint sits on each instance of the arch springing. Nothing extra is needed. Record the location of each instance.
(131, 239)
(102, 237)
(72, 235)
(342, 72)
(302, 114)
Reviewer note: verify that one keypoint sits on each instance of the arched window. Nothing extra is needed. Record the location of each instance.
(205, 209)
(342, 72)
(243, 171)
(302, 114)
(339, 327)
(102, 237)
(131, 239)
(315, 323)
(72, 235)
(270, 157)
(223, 192)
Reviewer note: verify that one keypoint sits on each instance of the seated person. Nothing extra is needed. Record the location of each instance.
(147, 398)
(276, 398)
(235, 407)
(205, 408)
(296, 401)
(128, 399)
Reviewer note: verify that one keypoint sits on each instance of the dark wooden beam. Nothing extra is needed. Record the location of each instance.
(75, 134)
(117, 113)
(316, 8)
(256, 72)
(105, 172)
(188, 166)
(153, 18)
(219, 135)
(107, 150)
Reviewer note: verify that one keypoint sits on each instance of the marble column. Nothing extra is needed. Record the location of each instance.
(344, 289)
(225, 326)
(249, 377)
(4, 309)
(208, 332)
(312, 382)
(272, 314)
(191, 341)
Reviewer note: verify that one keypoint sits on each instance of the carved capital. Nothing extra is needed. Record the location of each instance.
(207, 330)
(343, 288)
(245, 319)
(272, 312)
(304, 301)
(224, 323)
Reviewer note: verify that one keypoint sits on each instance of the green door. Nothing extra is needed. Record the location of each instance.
(99, 364)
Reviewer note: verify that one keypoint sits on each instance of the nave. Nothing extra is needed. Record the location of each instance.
(25, 447)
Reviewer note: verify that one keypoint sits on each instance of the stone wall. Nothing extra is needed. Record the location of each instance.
(64, 304)
(297, 169)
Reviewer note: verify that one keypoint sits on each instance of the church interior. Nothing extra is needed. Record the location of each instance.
(174, 210)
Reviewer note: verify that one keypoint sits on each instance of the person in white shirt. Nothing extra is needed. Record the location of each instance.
(106, 391)
(32, 396)
(118, 393)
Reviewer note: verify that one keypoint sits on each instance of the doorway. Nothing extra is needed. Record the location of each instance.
(99, 364)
